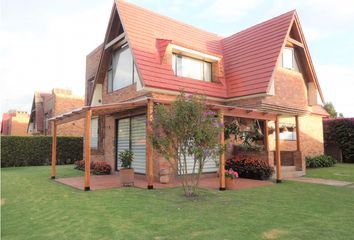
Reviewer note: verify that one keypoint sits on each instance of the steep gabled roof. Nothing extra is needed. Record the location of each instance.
(249, 57)
(143, 28)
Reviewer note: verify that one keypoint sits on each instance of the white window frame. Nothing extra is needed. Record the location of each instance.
(94, 133)
(178, 58)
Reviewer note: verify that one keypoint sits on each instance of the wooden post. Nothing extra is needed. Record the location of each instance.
(266, 134)
(87, 149)
(149, 147)
(222, 155)
(54, 149)
(277, 150)
(297, 133)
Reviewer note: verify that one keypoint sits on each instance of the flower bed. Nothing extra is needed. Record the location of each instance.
(97, 168)
(250, 166)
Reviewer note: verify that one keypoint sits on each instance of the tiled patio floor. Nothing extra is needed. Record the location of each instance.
(112, 181)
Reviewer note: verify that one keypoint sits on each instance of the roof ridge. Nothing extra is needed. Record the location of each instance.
(167, 17)
(263, 22)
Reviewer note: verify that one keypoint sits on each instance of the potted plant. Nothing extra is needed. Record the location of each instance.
(126, 173)
(230, 176)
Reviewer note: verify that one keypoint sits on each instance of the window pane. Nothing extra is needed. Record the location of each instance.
(288, 58)
(207, 71)
(122, 68)
(192, 68)
(94, 132)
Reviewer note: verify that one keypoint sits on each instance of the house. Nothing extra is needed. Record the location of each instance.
(48, 105)
(14, 123)
(264, 72)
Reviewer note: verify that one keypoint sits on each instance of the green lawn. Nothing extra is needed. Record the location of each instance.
(35, 207)
(343, 172)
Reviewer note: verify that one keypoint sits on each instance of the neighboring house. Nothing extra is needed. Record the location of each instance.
(264, 72)
(48, 105)
(14, 123)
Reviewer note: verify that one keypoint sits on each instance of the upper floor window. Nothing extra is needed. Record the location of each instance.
(184, 66)
(288, 59)
(122, 71)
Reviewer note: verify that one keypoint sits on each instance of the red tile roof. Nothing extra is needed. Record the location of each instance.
(319, 110)
(249, 57)
(143, 28)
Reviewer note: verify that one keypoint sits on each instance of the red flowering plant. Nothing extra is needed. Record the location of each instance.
(231, 174)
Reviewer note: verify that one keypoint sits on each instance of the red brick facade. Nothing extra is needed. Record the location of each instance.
(48, 105)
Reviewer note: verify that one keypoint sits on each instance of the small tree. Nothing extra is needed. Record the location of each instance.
(186, 129)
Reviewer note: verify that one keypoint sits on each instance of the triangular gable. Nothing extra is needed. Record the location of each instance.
(296, 38)
(114, 30)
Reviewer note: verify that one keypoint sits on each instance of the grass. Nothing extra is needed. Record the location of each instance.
(35, 207)
(340, 171)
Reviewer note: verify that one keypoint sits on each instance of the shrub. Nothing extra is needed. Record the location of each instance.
(80, 165)
(250, 166)
(101, 168)
(126, 157)
(97, 168)
(19, 151)
(340, 132)
(320, 161)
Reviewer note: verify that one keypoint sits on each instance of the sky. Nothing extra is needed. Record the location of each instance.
(44, 43)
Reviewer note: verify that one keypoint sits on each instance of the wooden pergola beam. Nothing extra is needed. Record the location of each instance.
(87, 149)
(266, 134)
(149, 147)
(222, 155)
(298, 146)
(277, 150)
(54, 149)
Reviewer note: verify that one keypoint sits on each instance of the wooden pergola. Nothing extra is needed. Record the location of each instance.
(88, 112)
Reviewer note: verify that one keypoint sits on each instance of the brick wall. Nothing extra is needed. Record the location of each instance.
(63, 103)
(290, 90)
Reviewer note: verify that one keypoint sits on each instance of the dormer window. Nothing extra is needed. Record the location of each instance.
(189, 67)
(289, 60)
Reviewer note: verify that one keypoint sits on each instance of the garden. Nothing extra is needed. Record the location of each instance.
(36, 207)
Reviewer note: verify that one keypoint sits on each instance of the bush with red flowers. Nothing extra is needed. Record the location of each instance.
(80, 165)
(97, 168)
(101, 168)
(250, 166)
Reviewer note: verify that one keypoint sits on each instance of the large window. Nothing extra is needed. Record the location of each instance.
(184, 66)
(288, 59)
(122, 71)
(94, 133)
(131, 135)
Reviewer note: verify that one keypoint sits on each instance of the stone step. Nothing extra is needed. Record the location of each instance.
(289, 172)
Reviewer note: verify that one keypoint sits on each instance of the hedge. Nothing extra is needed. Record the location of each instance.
(320, 161)
(340, 132)
(37, 150)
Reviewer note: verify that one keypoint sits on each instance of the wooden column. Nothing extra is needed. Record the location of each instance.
(222, 155)
(266, 134)
(54, 149)
(277, 150)
(149, 147)
(297, 133)
(87, 149)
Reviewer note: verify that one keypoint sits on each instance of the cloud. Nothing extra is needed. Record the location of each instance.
(50, 57)
(228, 11)
(337, 85)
